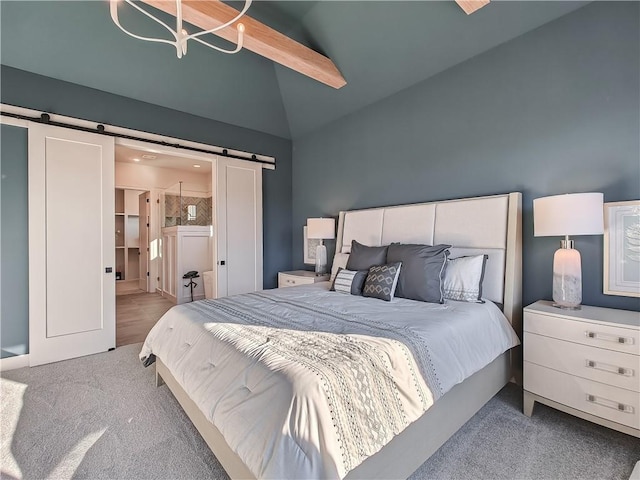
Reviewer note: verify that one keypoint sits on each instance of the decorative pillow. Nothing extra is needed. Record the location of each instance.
(339, 261)
(381, 281)
(463, 278)
(422, 270)
(349, 281)
(363, 257)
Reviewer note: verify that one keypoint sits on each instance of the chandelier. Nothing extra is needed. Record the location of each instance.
(180, 35)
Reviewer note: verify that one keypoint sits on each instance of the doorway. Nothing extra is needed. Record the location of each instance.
(146, 175)
(131, 222)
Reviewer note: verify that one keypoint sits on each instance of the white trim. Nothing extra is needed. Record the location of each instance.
(14, 122)
(36, 182)
(11, 363)
(127, 131)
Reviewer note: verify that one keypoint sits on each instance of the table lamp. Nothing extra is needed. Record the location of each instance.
(321, 229)
(564, 215)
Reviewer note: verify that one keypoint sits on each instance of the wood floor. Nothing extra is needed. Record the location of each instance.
(136, 314)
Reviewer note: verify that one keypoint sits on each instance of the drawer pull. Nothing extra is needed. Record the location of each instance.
(605, 367)
(609, 403)
(609, 337)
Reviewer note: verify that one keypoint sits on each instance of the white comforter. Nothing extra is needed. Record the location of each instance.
(307, 383)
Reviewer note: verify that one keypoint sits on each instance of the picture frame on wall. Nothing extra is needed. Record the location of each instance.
(310, 246)
(622, 248)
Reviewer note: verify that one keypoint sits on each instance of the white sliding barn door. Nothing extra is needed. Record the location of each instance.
(239, 226)
(71, 244)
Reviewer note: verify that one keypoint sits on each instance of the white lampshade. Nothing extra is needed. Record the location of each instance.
(321, 228)
(570, 214)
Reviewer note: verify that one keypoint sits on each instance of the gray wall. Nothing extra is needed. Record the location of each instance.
(46, 94)
(553, 111)
(14, 242)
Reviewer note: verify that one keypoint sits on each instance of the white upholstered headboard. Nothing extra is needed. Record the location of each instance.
(490, 225)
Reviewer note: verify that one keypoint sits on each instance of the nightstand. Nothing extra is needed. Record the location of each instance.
(299, 277)
(584, 362)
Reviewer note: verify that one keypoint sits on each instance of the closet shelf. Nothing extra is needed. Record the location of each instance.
(127, 221)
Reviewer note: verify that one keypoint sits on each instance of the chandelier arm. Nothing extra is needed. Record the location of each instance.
(180, 35)
(219, 49)
(195, 36)
(114, 17)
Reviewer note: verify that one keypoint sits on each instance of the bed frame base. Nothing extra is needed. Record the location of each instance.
(400, 457)
(232, 464)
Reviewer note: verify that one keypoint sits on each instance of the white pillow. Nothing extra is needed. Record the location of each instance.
(339, 261)
(463, 278)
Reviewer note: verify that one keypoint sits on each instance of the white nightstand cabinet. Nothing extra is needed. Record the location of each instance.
(299, 277)
(584, 362)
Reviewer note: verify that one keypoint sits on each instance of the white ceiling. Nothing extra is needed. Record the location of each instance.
(130, 155)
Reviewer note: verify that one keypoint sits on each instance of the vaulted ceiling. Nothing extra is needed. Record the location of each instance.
(380, 47)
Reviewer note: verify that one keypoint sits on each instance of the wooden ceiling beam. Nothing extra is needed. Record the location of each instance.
(258, 37)
(470, 6)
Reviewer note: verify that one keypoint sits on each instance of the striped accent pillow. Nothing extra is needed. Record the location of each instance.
(349, 281)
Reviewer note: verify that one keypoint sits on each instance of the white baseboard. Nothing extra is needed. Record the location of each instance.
(188, 298)
(635, 475)
(11, 363)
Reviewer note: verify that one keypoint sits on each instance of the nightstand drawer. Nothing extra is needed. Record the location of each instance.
(615, 404)
(598, 364)
(624, 340)
(285, 280)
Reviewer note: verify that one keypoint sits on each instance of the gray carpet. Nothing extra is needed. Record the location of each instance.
(102, 417)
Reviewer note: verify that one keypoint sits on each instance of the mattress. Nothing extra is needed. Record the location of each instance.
(307, 383)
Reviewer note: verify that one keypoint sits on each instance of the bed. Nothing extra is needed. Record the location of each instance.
(261, 409)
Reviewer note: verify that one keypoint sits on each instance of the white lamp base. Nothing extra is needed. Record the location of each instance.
(321, 259)
(567, 277)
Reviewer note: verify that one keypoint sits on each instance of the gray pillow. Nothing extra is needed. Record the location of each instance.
(381, 281)
(349, 281)
(363, 257)
(422, 270)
